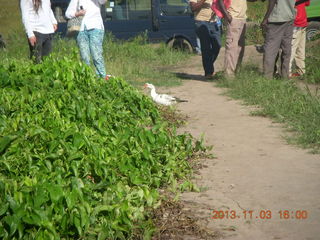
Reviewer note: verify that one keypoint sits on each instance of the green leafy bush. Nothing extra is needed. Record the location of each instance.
(80, 157)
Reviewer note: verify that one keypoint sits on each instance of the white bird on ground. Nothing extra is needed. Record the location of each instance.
(163, 99)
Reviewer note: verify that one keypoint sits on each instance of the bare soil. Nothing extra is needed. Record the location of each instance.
(254, 171)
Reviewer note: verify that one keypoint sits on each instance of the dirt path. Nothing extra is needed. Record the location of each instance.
(254, 170)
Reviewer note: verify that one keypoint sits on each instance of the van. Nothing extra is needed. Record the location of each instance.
(169, 21)
(313, 14)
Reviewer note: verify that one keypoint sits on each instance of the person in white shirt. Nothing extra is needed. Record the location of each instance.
(40, 24)
(90, 37)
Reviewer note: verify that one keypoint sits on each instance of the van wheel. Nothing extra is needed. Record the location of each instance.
(312, 30)
(180, 44)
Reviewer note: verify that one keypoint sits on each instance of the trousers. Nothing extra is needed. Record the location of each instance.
(298, 52)
(42, 47)
(235, 44)
(90, 45)
(278, 36)
(209, 34)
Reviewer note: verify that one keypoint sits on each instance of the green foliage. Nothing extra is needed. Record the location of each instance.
(313, 61)
(256, 11)
(136, 61)
(80, 157)
(283, 101)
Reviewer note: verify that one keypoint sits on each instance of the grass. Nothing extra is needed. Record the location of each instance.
(136, 61)
(281, 100)
(313, 61)
(256, 11)
(10, 17)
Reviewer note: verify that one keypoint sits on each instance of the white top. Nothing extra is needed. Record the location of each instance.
(41, 22)
(92, 18)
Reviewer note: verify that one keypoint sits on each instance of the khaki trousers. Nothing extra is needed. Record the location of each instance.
(298, 53)
(235, 42)
(278, 36)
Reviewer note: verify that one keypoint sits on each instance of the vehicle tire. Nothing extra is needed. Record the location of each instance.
(313, 29)
(180, 44)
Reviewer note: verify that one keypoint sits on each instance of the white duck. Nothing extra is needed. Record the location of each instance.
(163, 99)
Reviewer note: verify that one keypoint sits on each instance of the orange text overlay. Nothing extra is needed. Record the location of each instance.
(260, 214)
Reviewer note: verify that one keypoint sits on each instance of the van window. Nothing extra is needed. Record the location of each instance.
(128, 9)
(174, 7)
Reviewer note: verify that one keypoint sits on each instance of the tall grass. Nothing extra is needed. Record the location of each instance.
(283, 101)
(10, 17)
(313, 62)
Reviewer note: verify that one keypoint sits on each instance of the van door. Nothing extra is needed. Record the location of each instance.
(128, 18)
(176, 21)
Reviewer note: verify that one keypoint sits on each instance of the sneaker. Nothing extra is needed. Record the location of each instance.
(108, 76)
(260, 48)
(295, 75)
(210, 76)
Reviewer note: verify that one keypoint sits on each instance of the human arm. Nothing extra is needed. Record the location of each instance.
(224, 10)
(271, 5)
(24, 6)
(101, 2)
(53, 20)
(195, 6)
(72, 10)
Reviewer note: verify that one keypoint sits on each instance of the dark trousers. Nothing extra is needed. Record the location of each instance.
(209, 34)
(278, 36)
(42, 47)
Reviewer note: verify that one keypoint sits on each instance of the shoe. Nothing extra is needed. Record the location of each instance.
(295, 75)
(210, 76)
(108, 76)
(260, 48)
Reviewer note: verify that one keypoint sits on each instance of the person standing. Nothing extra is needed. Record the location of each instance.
(298, 51)
(207, 28)
(234, 12)
(278, 24)
(90, 37)
(40, 24)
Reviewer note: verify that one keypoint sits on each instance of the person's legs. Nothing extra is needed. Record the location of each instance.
(272, 44)
(301, 52)
(215, 43)
(47, 45)
(205, 42)
(286, 44)
(36, 50)
(198, 47)
(234, 33)
(83, 44)
(96, 50)
(295, 42)
(242, 43)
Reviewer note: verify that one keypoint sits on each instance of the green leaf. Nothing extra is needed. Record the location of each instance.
(3, 208)
(6, 141)
(71, 198)
(77, 223)
(56, 192)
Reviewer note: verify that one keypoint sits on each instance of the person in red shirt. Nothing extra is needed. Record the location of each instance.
(299, 39)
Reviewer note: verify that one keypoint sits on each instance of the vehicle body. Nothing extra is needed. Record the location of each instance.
(313, 13)
(169, 21)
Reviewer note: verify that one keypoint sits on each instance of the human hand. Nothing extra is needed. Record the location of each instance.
(229, 18)
(33, 40)
(55, 27)
(263, 24)
(80, 13)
